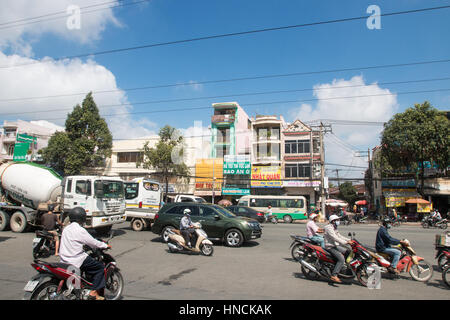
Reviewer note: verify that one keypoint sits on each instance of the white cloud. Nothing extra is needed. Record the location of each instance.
(371, 103)
(19, 38)
(66, 77)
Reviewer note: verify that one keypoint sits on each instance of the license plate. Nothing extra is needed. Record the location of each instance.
(31, 285)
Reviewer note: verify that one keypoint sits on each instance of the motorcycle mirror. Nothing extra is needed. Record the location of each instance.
(349, 234)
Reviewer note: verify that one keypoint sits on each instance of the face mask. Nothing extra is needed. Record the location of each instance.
(337, 223)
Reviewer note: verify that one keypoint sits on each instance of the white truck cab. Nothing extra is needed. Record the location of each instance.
(102, 197)
(188, 198)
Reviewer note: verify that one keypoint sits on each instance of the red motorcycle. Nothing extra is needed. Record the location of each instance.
(59, 281)
(442, 255)
(317, 262)
(418, 268)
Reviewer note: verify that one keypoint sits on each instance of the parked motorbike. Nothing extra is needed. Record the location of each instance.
(428, 222)
(418, 268)
(58, 281)
(203, 245)
(297, 246)
(317, 262)
(44, 244)
(358, 219)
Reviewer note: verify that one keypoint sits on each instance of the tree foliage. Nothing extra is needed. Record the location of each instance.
(348, 193)
(85, 144)
(413, 137)
(167, 157)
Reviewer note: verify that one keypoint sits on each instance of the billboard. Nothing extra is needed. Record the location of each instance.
(266, 177)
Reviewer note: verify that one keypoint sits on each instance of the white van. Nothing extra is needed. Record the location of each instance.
(143, 199)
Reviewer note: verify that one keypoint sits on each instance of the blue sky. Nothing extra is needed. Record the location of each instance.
(402, 39)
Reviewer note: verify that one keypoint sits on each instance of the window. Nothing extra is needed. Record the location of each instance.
(69, 186)
(223, 135)
(132, 157)
(83, 187)
(297, 146)
(131, 190)
(206, 212)
(297, 170)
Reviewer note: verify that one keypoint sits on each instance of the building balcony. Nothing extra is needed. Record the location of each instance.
(266, 159)
(9, 137)
(221, 119)
(266, 139)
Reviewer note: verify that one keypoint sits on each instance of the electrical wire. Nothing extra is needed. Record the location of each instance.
(225, 35)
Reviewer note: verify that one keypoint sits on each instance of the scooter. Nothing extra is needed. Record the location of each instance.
(44, 244)
(177, 243)
(428, 222)
(418, 268)
(297, 246)
(272, 218)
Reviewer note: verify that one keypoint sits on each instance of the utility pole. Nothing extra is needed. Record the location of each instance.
(214, 180)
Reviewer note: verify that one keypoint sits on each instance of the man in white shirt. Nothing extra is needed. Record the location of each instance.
(312, 230)
(73, 238)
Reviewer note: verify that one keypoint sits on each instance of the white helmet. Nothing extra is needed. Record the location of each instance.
(333, 217)
(187, 212)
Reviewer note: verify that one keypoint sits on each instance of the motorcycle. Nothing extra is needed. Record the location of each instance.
(442, 255)
(428, 222)
(317, 262)
(272, 218)
(203, 245)
(44, 244)
(297, 246)
(418, 268)
(446, 275)
(60, 281)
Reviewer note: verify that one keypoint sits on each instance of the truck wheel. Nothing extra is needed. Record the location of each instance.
(137, 225)
(18, 222)
(4, 221)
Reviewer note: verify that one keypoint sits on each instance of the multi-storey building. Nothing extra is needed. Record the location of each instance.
(301, 161)
(267, 155)
(17, 133)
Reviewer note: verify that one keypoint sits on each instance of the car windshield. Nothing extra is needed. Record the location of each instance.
(225, 212)
(131, 190)
(200, 200)
(109, 189)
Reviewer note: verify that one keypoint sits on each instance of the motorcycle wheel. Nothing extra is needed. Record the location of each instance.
(443, 225)
(207, 249)
(446, 275)
(425, 225)
(362, 275)
(114, 285)
(45, 291)
(422, 271)
(442, 261)
(296, 252)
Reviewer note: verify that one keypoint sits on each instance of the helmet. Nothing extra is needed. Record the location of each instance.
(312, 216)
(187, 212)
(51, 207)
(333, 217)
(77, 214)
(386, 221)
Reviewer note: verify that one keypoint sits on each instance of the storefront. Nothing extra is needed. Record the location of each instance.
(208, 179)
(266, 180)
(236, 177)
(308, 188)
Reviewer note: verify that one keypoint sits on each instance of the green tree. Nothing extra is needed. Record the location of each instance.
(347, 192)
(84, 146)
(413, 137)
(166, 158)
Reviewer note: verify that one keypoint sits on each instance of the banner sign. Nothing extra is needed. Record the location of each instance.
(266, 177)
(20, 151)
(235, 191)
(239, 164)
(301, 184)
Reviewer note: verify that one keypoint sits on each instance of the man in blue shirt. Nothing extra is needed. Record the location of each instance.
(383, 244)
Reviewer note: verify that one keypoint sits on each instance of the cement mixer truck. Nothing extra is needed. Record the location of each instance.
(27, 189)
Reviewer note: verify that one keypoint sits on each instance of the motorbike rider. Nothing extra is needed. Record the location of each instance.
(435, 217)
(269, 212)
(73, 238)
(312, 230)
(49, 223)
(187, 227)
(383, 244)
(336, 244)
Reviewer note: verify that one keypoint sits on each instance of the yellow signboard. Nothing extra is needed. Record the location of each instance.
(424, 207)
(266, 177)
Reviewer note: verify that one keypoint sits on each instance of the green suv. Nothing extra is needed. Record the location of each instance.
(218, 223)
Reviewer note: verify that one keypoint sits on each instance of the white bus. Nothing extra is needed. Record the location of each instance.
(288, 208)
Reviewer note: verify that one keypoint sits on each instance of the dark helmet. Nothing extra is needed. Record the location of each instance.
(77, 214)
(386, 221)
(51, 207)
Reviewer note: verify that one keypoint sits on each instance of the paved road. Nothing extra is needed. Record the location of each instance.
(259, 270)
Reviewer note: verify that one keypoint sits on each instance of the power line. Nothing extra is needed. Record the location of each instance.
(262, 103)
(233, 34)
(240, 95)
(13, 25)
